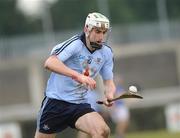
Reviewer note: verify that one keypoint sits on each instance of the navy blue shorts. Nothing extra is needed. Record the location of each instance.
(55, 115)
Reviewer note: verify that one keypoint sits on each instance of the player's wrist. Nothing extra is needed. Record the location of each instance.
(75, 76)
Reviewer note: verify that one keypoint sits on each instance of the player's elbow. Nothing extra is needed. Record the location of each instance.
(47, 63)
(51, 63)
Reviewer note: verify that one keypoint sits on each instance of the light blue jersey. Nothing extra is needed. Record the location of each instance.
(74, 54)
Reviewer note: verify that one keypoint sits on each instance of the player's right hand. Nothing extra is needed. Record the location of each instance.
(86, 80)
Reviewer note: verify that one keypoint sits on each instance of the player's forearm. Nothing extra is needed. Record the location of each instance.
(109, 88)
(55, 65)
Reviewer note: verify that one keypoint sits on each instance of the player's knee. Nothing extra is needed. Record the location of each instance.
(103, 131)
(106, 131)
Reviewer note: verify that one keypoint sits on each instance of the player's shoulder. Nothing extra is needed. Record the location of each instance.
(77, 40)
(68, 41)
(107, 48)
(72, 43)
(73, 40)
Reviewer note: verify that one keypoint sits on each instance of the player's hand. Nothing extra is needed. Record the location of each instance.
(107, 103)
(109, 96)
(86, 80)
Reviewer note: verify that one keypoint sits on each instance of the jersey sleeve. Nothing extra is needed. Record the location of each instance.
(107, 69)
(67, 49)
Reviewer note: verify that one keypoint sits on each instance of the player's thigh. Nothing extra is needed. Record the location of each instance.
(43, 135)
(91, 122)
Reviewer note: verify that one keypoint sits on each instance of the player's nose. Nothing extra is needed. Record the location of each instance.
(101, 37)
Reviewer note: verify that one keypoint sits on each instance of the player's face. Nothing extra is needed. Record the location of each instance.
(97, 35)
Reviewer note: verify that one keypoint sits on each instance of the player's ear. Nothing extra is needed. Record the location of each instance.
(86, 29)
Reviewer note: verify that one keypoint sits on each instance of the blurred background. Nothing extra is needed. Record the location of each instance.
(145, 38)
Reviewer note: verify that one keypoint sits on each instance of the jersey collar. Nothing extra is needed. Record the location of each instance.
(83, 39)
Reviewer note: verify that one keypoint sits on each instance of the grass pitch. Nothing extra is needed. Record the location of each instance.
(153, 134)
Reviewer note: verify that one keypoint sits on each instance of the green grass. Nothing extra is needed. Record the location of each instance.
(153, 134)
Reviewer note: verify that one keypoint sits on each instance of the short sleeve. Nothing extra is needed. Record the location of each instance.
(65, 50)
(107, 69)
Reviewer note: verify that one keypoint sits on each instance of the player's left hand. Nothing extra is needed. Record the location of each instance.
(109, 96)
(107, 103)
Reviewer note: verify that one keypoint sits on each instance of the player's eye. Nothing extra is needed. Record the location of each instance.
(101, 31)
(98, 31)
(104, 32)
